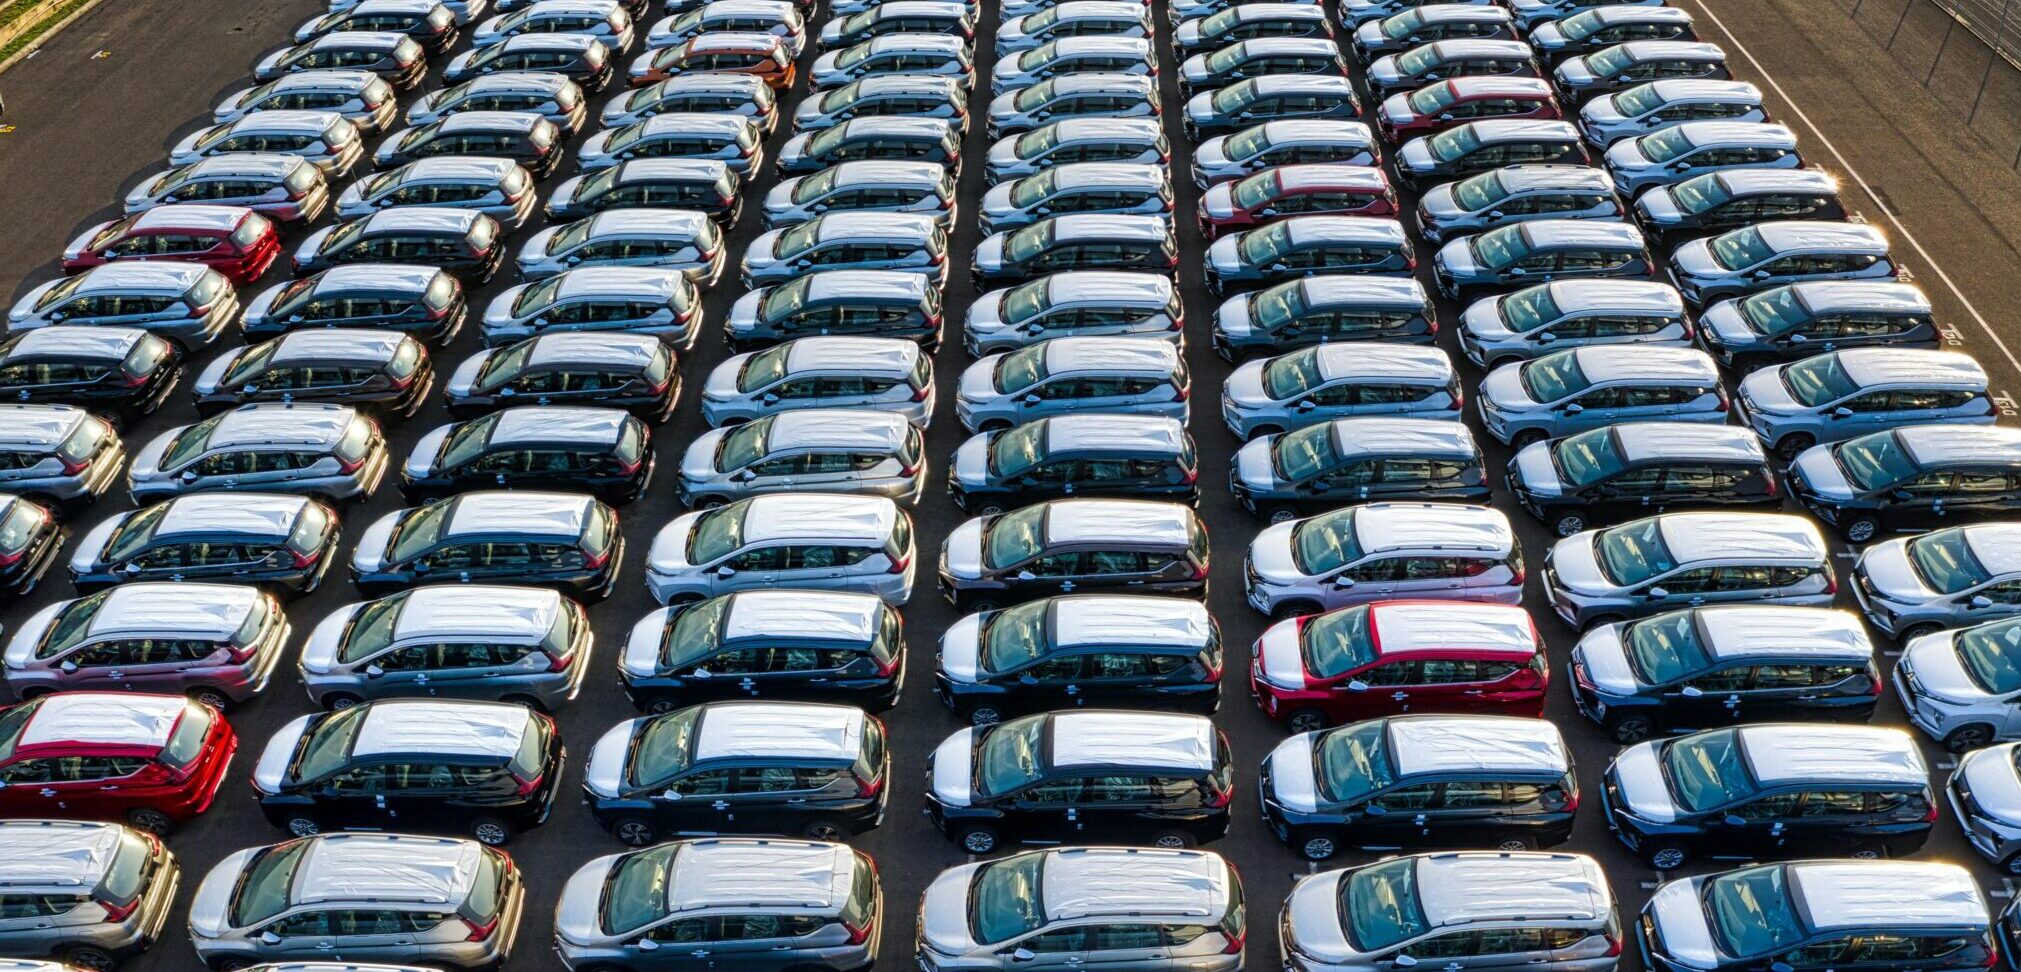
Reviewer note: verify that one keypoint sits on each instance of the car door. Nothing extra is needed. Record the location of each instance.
(1047, 811)
(474, 670)
(1399, 817)
(756, 943)
(1371, 580)
(354, 797)
(1708, 699)
(302, 936)
(1059, 572)
(1826, 821)
(1421, 576)
(1052, 950)
(408, 670)
(374, 934)
(818, 565)
(1626, 495)
(1126, 947)
(753, 567)
(700, 801)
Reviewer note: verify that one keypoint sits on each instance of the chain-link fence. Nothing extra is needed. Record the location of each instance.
(1997, 22)
(1966, 53)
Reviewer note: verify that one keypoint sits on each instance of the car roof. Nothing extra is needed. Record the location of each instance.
(359, 39)
(1138, 434)
(1480, 47)
(375, 277)
(1329, 290)
(191, 216)
(385, 868)
(1329, 175)
(291, 120)
(890, 83)
(1751, 630)
(1624, 296)
(1100, 43)
(634, 281)
(663, 170)
(1109, 355)
(1944, 443)
(733, 40)
(1076, 174)
(1109, 226)
(1498, 86)
(1148, 740)
(78, 341)
(828, 516)
(897, 125)
(1464, 887)
(1401, 436)
(519, 512)
(238, 514)
(837, 428)
(755, 872)
(1891, 894)
(1706, 89)
(1516, 178)
(1287, 83)
(1579, 232)
(761, 730)
(150, 275)
(868, 355)
(515, 614)
(1289, 45)
(880, 226)
(327, 79)
(1292, 11)
(888, 171)
(1363, 361)
(646, 222)
(502, 81)
(281, 424)
(1406, 627)
(1383, 527)
(431, 218)
(1474, 744)
(1134, 883)
(1996, 545)
(573, 43)
(63, 856)
(457, 167)
(1098, 286)
(1873, 366)
(1114, 129)
(1096, 619)
(1316, 129)
(1740, 182)
(559, 424)
(1520, 129)
(1696, 537)
(1771, 134)
(270, 164)
(912, 41)
(1643, 50)
(1078, 81)
(914, 8)
(1137, 521)
(889, 286)
(1812, 753)
(1642, 363)
(1640, 14)
(1701, 441)
(630, 350)
(394, 727)
(345, 343)
(1823, 296)
(693, 122)
(103, 719)
(38, 425)
(212, 611)
(1306, 230)
(802, 615)
(574, 6)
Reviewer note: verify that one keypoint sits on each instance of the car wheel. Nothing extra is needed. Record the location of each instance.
(1294, 609)
(1319, 847)
(1914, 631)
(1501, 362)
(1601, 621)
(491, 831)
(1306, 720)
(708, 502)
(1282, 514)
(1527, 437)
(1668, 857)
(340, 701)
(1860, 529)
(1790, 445)
(1263, 430)
(635, 831)
(989, 509)
(151, 820)
(1514, 845)
(984, 715)
(994, 425)
(977, 840)
(525, 700)
(1172, 840)
(827, 830)
(661, 706)
(1631, 729)
(1964, 739)
(303, 826)
(1866, 852)
(210, 698)
(94, 959)
(1569, 524)
(31, 694)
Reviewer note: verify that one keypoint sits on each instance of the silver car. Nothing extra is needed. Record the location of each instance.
(1694, 148)
(498, 188)
(1584, 388)
(885, 95)
(1382, 551)
(1324, 308)
(873, 303)
(885, 374)
(634, 300)
(365, 897)
(361, 96)
(899, 16)
(1078, 140)
(329, 451)
(465, 641)
(1678, 560)
(1075, 18)
(188, 303)
(1075, 303)
(466, 11)
(89, 894)
(924, 55)
(1083, 94)
(1118, 188)
(883, 186)
(1498, 902)
(1985, 795)
(284, 188)
(1333, 381)
(676, 240)
(1796, 321)
(1957, 685)
(830, 450)
(779, 18)
(57, 455)
(605, 20)
(325, 138)
(551, 96)
(734, 140)
(216, 643)
(1227, 157)
(1842, 394)
(1910, 587)
(1115, 907)
(1756, 258)
(1071, 55)
(1658, 105)
(1141, 376)
(825, 541)
(1516, 194)
(764, 905)
(1354, 13)
(848, 241)
(1535, 321)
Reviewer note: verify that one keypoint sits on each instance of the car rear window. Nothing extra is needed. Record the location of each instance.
(861, 906)
(901, 537)
(356, 441)
(251, 231)
(127, 873)
(441, 292)
(406, 359)
(482, 234)
(206, 289)
(256, 621)
(302, 179)
(185, 744)
(310, 528)
(870, 759)
(148, 353)
(631, 445)
(82, 443)
(487, 887)
(531, 760)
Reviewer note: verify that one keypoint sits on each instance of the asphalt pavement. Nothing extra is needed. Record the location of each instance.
(95, 110)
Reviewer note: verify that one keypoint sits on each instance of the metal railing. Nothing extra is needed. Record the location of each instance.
(1966, 53)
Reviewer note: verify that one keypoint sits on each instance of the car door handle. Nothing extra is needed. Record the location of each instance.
(796, 799)
(45, 791)
(721, 805)
(110, 786)
(700, 953)
(1400, 696)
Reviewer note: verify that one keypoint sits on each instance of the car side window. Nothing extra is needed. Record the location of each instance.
(1120, 936)
(703, 783)
(686, 931)
(1506, 941)
(1451, 945)
(1830, 803)
(1418, 797)
(1772, 807)
(301, 925)
(1056, 940)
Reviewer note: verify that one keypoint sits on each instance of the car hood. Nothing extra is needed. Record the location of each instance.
(1244, 387)
(311, 246)
(1538, 472)
(721, 385)
(953, 780)
(641, 658)
(943, 911)
(1195, 70)
(670, 545)
(1989, 774)
(1606, 661)
(352, 196)
(1002, 153)
(1694, 259)
(147, 459)
(85, 553)
(1456, 259)
(210, 908)
(82, 243)
(1383, 70)
(1291, 780)
(1282, 654)
(578, 915)
(374, 543)
(421, 461)
(1252, 463)
(1624, 155)
(270, 774)
(605, 773)
(1439, 202)
(962, 553)
(743, 313)
(761, 251)
(1219, 200)
(1200, 107)
(1680, 923)
(266, 65)
(699, 462)
(996, 203)
(1822, 473)
(1577, 565)
(1939, 671)
(825, 64)
(1212, 153)
(1224, 256)
(1416, 156)
(21, 647)
(1725, 324)
(1547, 35)
(961, 650)
(1601, 111)
(989, 254)
(779, 198)
(1638, 772)
(24, 308)
(1396, 108)
(794, 150)
(1764, 391)
(319, 653)
(464, 379)
(1271, 554)
(1574, 72)
(1889, 572)
(978, 382)
(1312, 917)
(1659, 206)
(1503, 388)
(214, 373)
(970, 465)
(531, 253)
(1482, 320)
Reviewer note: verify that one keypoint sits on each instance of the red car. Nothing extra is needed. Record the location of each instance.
(1317, 189)
(1435, 108)
(152, 761)
(234, 240)
(1391, 657)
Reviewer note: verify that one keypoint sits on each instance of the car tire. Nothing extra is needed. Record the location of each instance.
(1281, 514)
(635, 831)
(989, 509)
(302, 826)
(151, 820)
(1914, 631)
(89, 957)
(1172, 840)
(1263, 430)
(977, 605)
(710, 502)
(31, 694)
(1306, 720)
(824, 829)
(1964, 739)
(1515, 845)
(1668, 856)
(1630, 729)
(1790, 445)
(978, 840)
(1568, 524)
(1598, 621)
(1867, 852)
(1862, 528)
(339, 701)
(491, 831)
(1507, 359)
(211, 699)
(1526, 437)
(2012, 865)
(525, 700)
(984, 715)
(1318, 846)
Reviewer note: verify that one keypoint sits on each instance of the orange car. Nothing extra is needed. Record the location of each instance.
(727, 52)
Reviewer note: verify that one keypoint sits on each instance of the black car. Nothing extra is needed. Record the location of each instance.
(30, 537)
(635, 372)
(558, 540)
(1098, 776)
(833, 646)
(1705, 667)
(281, 542)
(579, 57)
(1274, 98)
(121, 372)
(463, 242)
(1422, 781)
(1770, 791)
(1070, 545)
(1076, 241)
(386, 373)
(1358, 460)
(605, 452)
(817, 771)
(1620, 472)
(489, 769)
(1711, 204)
(422, 301)
(522, 136)
(703, 185)
(1916, 476)
(1086, 650)
(896, 138)
(1139, 456)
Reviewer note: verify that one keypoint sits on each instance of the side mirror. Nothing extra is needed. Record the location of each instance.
(1305, 405)
(374, 671)
(1574, 408)
(1842, 412)
(130, 568)
(1445, 116)
(1029, 400)
(1518, 272)
(725, 571)
(1343, 582)
(1494, 215)
(1656, 594)
(1981, 601)
(1734, 820)
(648, 945)
(69, 665)
(1377, 810)
(1781, 967)
(1403, 961)
(269, 938)
(670, 795)
(1759, 274)
(1546, 338)
(769, 398)
(743, 476)
(1357, 685)
(1691, 691)
(188, 476)
(1023, 955)
(1026, 575)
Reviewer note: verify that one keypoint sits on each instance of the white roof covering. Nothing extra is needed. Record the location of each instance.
(1405, 626)
(1101, 285)
(1946, 443)
(192, 216)
(442, 168)
(1110, 355)
(85, 340)
(1115, 433)
(105, 718)
(1803, 234)
(252, 514)
(874, 355)
(803, 615)
(38, 425)
(758, 873)
(1088, 881)
(550, 514)
(1125, 620)
(837, 428)
(1371, 361)
(828, 516)
(1464, 744)
(164, 609)
(603, 348)
(396, 726)
(158, 276)
(1390, 526)
(57, 854)
(1694, 537)
(1153, 740)
(1402, 436)
(1745, 630)
(1473, 886)
(796, 730)
(347, 343)
(654, 222)
(1074, 521)
(1644, 363)
(559, 423)
(472, 612)
(276, 423)
(891, 285)
(1626, 296)
(1674, 441)
(1997, 545)
(1824, 753)
(1860, 894)
(1873, 366)
(385, 867)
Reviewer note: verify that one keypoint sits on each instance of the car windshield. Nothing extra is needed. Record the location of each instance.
(1021, 369)
(694, 633)
(1454, 143)
(798, 239)
(1553, 377)
(1945, 562)
(1325, 542)
(251, 363)
(763, 368)
(1380, 905)
(1255, 190)
(1527, 310)
(1873, 461)
(1741, 249)
(1038, 142)
(1305, 453)
(782, 302)
(1026, 301)
(1707, 770)
(419, 530)
(1278, 306)
(540, 295)
(1004, 900)
(1417, 60)
(1339, 642)
(263, 891)
(1588, 457)
(1633, 552)
(1354, 762)
(1015, 537)
(598, 183)
(1774, 311)
(1664, 145)
(70, 625)
(327, 747)
(1230, 99)
(1480, 192)
(664, 746)
(500, 367)
(1032, 190)
(815, 186)
(855, 55)
(1431, 98)
(1700, 194)
(1665, 648)
(1015, 637)
(1292, 375)
(637, 892)
(743, 445)
(1992, 655)
(1500, 248)
(1248, 143)
(1817, 381)
(134, 533)
(1034, 96)
(1262, 246)
(841, 97)
(191, 442)
(1009, 756)
(568, 238)
(1042, 20)
(717, 534)
(1029, 242)
(466, 441)
(1637, 101)
(371, 630)
(1227, 58)
(1613, 60)
(1017, 450)
(1751, 911)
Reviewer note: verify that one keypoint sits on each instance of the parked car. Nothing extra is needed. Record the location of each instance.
(1111, 454)
(887, 374)
(872, 303)
(331, 452)
(1322, 309)
(1678, 560)
(390, 54)
(1281, 97)
(233, 240)
(701, 185)
(361, 96)
(325, 139)
(189, 305)
(1070, 140)
(282, 543)
(647, 243)
(1948, 578)
(1246, 21)
(1629, 469)
(1637, 62)
(464, 242)
(497, 187)
(792, 644)
(30, 537)
(1795, 321)
(701, 91)
(1480, 146)
(1979, 793)
(1087, 374)
(919, 54)
(830, 450)
(425, 302)
(1716, 202)
(123, 372)
(1428, 23)
(780, 18)
(848, 241)
(1539, 251)
(1911, 477)
(1673, 154)
(818, 541)
(1331, 381)
(908, 17)
(1279, 192)
(1516, 194)
(1545, 318)
(1659, 105)
(1354, 13)
(153, 761)
(605, 452)
(1443, 105)
(1076, 18)
(605, 20)
(1069, 545)
(1840, 395)
(427, 21)
(566, 541)
(1755, 258)
(551, 96)
(1428, 63)
(880, 186)
(457, 641)
(759, 54)
(1376, 551)
(286, 188)
(893, 137)
(1590, 387)
(97, 893)
(1074, 303)
(734, 140)
(1303, 245)
(635, 372)
(885, 96)
(577, 57)
(1604, 26)
(1069, 55)
(1262, 57)
(1076, 241)
(1536, 13)
(1357, 459)
(1258, 147)
(57, 456)
(1061, 652)
(1098, 188)
(385, 373)
(628, 300)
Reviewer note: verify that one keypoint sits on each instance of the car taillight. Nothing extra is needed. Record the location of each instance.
(1191, 477)
(919, 394)
(938, 259)
(115, 913)
(1831, 582)
(595, 560)
(886, 668)
(899, 564)
(437, 313)
(526, 787)
(1235, 942)
(866, 789)
(1724, 402)
(857, 936)
(72, 467)
(481, 932)
(1571, 801)
(301, 559)
(1931, 815)
(1179, 394)
(1613, 946)
(348, 466)
(560, 663)
(1157, 109)
(403, 382)
(1218, 797)
(130, 380)
(1774, 485)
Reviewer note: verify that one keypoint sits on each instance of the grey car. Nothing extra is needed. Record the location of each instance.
(831, 450)
(765, 905)
(57, 455)
(1070, 55)
(920, 55)
(1674, 154)
(1118, 188)
(1354, 13)
(1679, 560)
(1842, 394)
(605, 20)
(1074, 18)
(286, 543)
(283, 188)
(779, 18)
(1535, 321)
(899, 16)
(329, 451)
(551, 96)
(882, 186)
(1454, 57)
(1333, 381)
(455, 903)
(1075, 303)
(1243, 21)
(1912, 586)
(1362, 458)
(1082, 94)
(1766, 255)
(1658, 105)
(823, 541)
(1985, 795)
(462, 641)
(1473, 147)
(680, 241)
(1142, 376)
(848, 241)
(885, 95)
(92, 894)
(1516, 194)
(886, 374)
(390, 54)
(634, 300)
(734, 140)
(1539, 251)
(325, 138)
(1372, 552)
(1321, 309)
(1117, 907)
(930, 138)
(871, 303)
(1718, 201)
(1078, 140)
(187, 303)
(1624, 65)
(1795, 321)
(1587, 387)
(1224, 158)
(1603, 26)
(228, 639)
(498, 188)
(361, 96)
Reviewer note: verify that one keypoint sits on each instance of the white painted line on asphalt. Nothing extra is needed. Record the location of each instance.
(1900, 229)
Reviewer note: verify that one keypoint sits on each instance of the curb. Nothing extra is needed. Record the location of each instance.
(89, 6)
